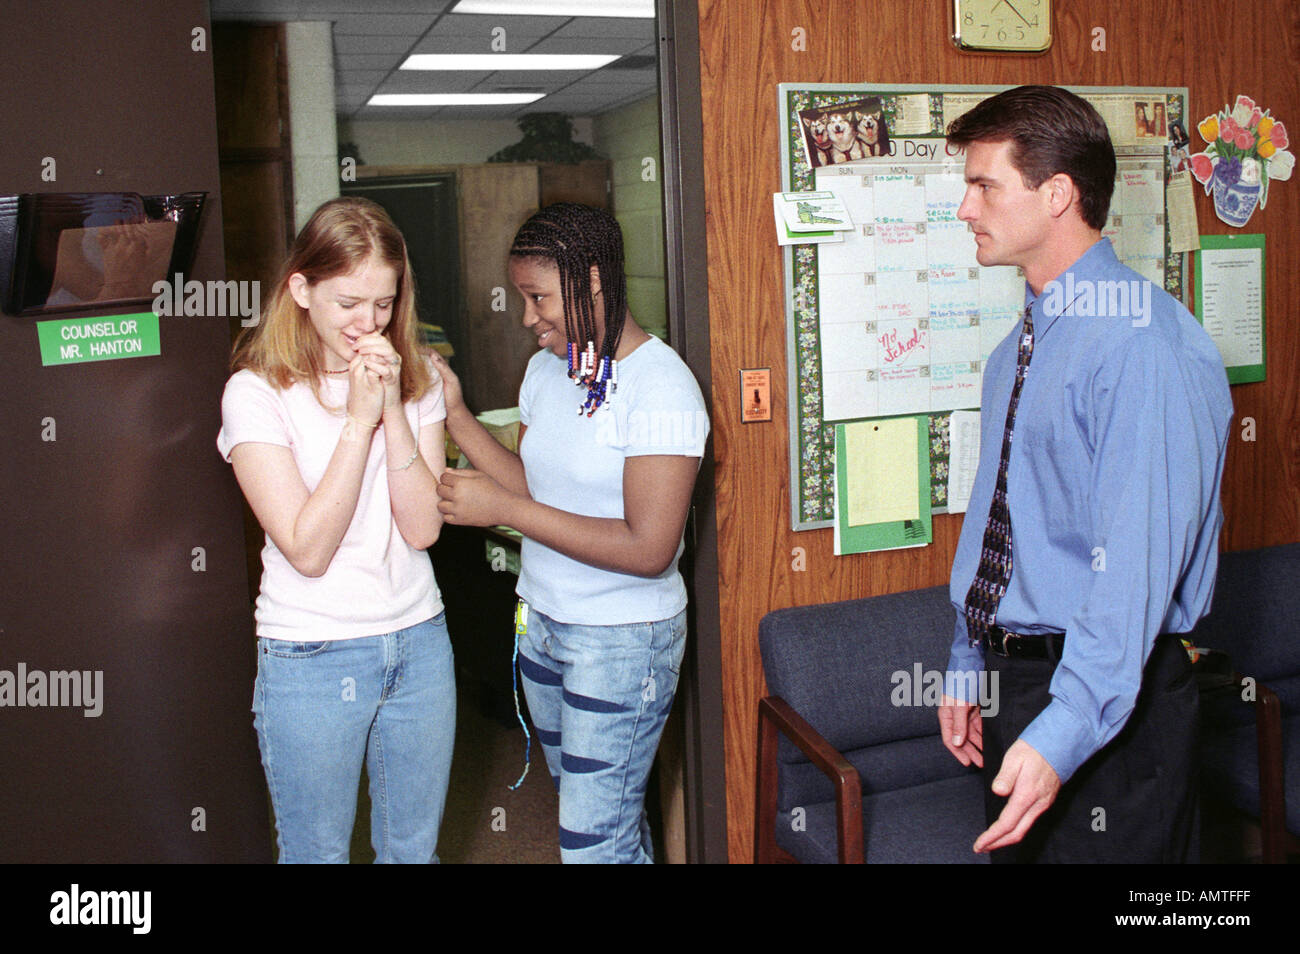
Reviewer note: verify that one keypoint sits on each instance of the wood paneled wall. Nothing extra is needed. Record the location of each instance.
(1218, 49)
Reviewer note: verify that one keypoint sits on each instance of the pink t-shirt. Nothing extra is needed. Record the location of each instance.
(377, 582)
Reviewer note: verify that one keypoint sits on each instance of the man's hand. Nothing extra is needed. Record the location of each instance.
(1032, 785)
(962, 730)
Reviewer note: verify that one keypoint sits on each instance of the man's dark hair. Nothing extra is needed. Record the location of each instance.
(1051, 130)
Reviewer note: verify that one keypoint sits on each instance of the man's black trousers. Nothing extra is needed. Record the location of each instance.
(1136, 799)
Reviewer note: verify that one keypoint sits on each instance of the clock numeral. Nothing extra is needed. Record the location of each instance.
(1005, 25)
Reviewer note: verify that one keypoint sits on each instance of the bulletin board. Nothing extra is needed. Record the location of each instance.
(899, 318)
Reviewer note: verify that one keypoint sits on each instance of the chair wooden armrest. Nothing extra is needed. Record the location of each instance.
(1276, 840)
(776, 715)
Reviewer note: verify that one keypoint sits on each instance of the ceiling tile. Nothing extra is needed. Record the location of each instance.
(362, 24)
(468, 24)
(576, 44)
(327, 9)
(607, 77)
(391, 45)
(608, 26)
(288, 10)
(372, 37)
(359, 77)
(549, 78)
(367, 61)
(226, 9)
(415, 81)
(454, 44)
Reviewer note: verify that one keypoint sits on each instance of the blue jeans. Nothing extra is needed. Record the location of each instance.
(321, 707)
(599, 696)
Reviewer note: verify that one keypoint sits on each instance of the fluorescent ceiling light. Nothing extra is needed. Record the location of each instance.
(559, 8)
(452, 99)
(508, 61)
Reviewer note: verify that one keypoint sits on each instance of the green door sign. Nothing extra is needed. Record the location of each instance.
(76, 340)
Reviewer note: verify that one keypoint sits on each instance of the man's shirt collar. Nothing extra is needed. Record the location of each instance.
(1099, 258)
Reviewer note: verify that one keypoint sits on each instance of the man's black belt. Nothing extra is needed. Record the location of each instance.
(1019, 646)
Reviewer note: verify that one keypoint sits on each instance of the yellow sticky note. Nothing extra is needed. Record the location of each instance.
(882, 478)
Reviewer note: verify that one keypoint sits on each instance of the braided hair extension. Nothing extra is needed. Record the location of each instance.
(576, 237)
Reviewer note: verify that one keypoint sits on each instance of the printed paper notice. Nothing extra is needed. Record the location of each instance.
(1184, 236)
(1230, 301)
(912, 115)
(964, 458)
(882, 476)
(954, 104)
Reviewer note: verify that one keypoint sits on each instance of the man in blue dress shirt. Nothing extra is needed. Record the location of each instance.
(1112, 489)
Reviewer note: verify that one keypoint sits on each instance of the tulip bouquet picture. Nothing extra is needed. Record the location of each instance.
(1246, 148)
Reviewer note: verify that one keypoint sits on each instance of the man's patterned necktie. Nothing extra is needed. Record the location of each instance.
(994, 571)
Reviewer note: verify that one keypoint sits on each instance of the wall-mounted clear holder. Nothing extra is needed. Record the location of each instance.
(71, 251)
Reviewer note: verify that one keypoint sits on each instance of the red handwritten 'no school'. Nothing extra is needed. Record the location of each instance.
(896, 349)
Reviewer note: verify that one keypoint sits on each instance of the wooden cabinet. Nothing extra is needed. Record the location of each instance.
(256, 166)
(586, 182)
(253, 148)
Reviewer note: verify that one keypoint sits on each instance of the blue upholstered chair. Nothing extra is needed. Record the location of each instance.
(1255, 620)
(844, 773)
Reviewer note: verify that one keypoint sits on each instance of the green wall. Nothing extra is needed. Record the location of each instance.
(629, 136)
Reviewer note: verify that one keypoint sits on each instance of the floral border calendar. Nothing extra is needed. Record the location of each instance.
(899, 318)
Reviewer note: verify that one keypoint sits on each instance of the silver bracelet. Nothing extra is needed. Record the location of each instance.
(409, 461)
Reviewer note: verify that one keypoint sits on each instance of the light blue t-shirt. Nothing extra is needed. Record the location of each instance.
(575, 463)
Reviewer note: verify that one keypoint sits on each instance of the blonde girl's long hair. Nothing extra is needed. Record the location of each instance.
(341, 235)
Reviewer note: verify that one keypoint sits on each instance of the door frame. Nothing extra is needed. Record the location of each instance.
(681, 128)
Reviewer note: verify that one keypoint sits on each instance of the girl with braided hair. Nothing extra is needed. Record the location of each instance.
(612, 431)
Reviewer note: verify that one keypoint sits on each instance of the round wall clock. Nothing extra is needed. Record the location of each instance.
(1002, 26)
